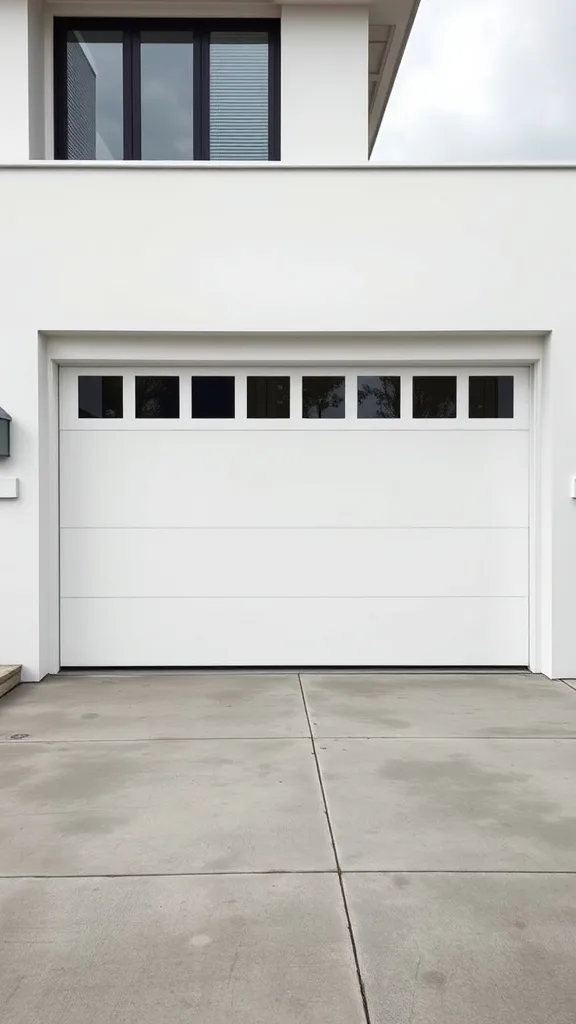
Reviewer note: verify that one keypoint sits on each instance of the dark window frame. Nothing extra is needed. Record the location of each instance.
(131, 29)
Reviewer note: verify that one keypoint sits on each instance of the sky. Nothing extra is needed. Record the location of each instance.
(485, 80)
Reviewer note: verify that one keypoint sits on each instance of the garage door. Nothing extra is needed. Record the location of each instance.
(376, 516)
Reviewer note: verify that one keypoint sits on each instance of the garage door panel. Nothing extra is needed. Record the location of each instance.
(309, 631)
(352, 541)
(311, 563)
(283, 478)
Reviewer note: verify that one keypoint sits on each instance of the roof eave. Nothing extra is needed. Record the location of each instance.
(396, 45)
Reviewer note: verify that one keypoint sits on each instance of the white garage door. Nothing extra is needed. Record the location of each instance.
(273, 517)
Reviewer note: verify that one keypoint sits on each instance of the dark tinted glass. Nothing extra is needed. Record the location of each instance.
(323, 398)
(94, 95)
(434, 398)
(213, 398)
(100, 398)
(491, 397)
(378, 398)
(268, 398)
(157, 398)
(166, 80)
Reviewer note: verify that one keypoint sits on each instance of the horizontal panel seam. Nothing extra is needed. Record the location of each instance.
(289, 430)
(230, 529)
(296, 597)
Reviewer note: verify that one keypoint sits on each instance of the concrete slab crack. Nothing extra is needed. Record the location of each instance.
(337, 862)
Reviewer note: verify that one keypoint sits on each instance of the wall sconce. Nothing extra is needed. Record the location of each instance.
(5, 421)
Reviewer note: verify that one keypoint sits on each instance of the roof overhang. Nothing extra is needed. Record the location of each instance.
(390, 26)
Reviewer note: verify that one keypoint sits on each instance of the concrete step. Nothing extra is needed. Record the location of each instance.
(9, 677)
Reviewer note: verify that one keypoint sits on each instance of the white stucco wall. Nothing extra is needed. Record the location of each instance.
(324, 84)
(22, 108)
(139, 249)
(14, 92)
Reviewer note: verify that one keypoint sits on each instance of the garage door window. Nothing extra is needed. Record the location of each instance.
(268, 398)
(378, 398)
(434, 398)
(258, 398)
(157, 398)
(100, 398)
(323, 398)
(213, 398)
(491, 397)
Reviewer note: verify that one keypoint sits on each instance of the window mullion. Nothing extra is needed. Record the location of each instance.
(136, 97)
(196, 92)
(131, 94)
(60, 92)
(201, 98)
(127, 92)
(273, 96)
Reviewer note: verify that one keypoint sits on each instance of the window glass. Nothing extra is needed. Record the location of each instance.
(434, 398)
(268, 397)
(378, 398)
(239, 96)
(100, 398)
(166, 74)
(157, 398)
(213, 398)
(156, 90)
(491, 397)
(323, 398)
(94, 95)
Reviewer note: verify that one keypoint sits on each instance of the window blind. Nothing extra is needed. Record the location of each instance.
(239, 96)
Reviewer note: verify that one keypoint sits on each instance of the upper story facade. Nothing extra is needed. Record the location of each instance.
(161, 81)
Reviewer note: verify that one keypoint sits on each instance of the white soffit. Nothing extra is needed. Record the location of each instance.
(390, 26)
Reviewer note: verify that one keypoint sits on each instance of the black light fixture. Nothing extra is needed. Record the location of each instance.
(5, 421)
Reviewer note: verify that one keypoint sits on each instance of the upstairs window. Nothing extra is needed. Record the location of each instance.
(169, 90)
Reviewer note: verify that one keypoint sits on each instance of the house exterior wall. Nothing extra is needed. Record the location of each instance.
(14, 91)
(324, 70)
(374, 252)
(22, 65)
(322, 257)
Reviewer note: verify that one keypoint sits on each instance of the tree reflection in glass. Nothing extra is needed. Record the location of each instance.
(323, 398)
(378, 398)
(157, 398)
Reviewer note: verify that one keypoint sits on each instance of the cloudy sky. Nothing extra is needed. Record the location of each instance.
(485, 80)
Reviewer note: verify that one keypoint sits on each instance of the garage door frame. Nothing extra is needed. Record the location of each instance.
(467, 352)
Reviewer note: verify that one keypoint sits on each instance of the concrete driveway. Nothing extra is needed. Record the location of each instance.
(285, 849)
